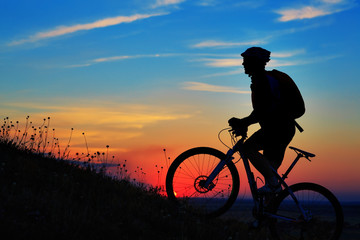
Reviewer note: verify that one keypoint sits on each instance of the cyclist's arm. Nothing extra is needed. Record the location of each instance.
(251, 119)
(243, 123)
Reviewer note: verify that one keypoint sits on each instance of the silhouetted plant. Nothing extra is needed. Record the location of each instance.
(42, 140)
(65, 153)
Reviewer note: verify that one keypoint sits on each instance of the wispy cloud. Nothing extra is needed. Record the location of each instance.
(208, 3)
(204, 87)
(120, 58)
(283, 63)
(332, 1)
(162, 3)
(272, 64)
(237, 61)
(303, 13)
(221, 44)
(222, 62)
(63, 30)
(104, 122)
(326, 7)
(209, 59)
(282, 59)
(278, 59)
(287, 54)
(110, 59)
(107, 116)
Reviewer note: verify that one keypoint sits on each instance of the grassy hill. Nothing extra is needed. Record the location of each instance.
(46, 198)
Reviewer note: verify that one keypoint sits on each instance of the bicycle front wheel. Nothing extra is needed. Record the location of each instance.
(190, 169)
(323, 214)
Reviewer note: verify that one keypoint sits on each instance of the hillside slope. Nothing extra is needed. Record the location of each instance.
(46, 198)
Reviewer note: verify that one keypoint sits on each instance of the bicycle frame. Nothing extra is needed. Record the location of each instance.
(258, 201)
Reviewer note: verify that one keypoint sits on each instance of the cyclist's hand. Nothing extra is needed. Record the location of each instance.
(239, 127)
(240, 131)
(236, 122)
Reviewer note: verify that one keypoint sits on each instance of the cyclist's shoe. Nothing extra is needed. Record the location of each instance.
(267, 188)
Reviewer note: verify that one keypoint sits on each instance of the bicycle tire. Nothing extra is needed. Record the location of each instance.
(325, 210)
(193, 166)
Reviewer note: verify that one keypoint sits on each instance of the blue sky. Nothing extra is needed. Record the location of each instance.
(68, 46)
(154, 72)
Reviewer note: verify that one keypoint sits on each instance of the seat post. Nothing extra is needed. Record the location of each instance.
(299, 155)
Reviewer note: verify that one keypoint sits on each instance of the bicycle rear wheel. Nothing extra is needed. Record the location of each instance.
(190, 169)
(320, 205)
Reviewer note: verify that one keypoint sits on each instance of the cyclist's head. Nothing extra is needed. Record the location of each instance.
(258, 54)
(255, 59)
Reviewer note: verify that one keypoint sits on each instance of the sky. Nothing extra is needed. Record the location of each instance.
(145, 75)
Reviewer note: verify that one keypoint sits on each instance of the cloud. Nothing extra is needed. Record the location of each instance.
(79, 65)
(117, 58)
(121, 57)
(207, 3)
(63, 30)
(303, 13)
(332, 1)
(220, 44)
(280, 63)
(278, 59)
(110, 59)
(198, 86)
(326, 7)
(237, 60)
(223, 62)
(104, 122)
(211, 60)
(287, 54)
(160, 55)
(162, 3)
(101, 114)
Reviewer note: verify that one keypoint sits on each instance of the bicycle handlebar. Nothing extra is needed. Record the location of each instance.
(238, 132)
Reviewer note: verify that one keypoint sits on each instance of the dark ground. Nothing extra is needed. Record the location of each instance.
(241, 211)
(44, 198)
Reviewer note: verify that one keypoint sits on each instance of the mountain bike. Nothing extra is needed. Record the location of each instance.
(205, 182)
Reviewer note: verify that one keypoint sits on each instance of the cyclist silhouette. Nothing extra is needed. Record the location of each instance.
(276, 103)
(205, 181)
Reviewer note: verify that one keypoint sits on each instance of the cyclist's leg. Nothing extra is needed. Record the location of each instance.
(275, 144)
(252, 146)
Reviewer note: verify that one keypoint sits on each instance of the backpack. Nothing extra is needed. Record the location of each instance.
(289, 94)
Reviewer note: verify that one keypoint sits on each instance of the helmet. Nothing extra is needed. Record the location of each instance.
(257, 52)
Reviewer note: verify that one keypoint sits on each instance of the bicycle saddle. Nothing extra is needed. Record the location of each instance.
(306, 154)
